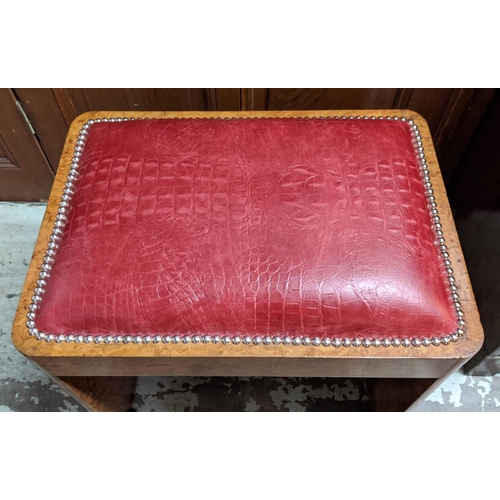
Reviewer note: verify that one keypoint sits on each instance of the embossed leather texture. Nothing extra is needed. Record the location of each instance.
(303, 227)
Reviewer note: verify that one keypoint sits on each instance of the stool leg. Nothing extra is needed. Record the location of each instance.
(100, 393)
(97, 393)
(404, 394)
(397, 394)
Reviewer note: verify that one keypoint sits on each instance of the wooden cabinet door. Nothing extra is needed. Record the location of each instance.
(25, 173)
(74, 102)
(324, 98)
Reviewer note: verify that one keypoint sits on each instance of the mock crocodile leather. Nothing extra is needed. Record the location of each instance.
(303, 227)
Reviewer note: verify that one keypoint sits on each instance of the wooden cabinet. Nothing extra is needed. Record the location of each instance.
(464, 124)
(331, 98)
(25, 173)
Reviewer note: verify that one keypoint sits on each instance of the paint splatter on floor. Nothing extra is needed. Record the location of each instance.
(250, 394)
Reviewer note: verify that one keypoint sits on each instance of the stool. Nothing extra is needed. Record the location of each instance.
(304, 243)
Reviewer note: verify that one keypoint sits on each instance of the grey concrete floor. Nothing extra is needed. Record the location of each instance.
(24, 388)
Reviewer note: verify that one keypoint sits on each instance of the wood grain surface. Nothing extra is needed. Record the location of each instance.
(478, 186)
(277, 365)
(96, 393)
(331, 99)
(25, 173)
(102, 394)
(47, 119)
(70, 358)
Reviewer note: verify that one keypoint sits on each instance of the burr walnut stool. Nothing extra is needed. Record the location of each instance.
(305, 243)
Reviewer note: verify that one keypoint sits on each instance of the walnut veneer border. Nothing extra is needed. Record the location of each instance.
(461, 350)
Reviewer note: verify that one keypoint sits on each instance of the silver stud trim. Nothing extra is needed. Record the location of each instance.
(62, 218)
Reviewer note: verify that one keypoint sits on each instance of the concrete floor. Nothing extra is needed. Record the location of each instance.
(24, 388)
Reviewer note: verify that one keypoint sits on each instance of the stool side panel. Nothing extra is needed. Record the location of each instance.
(282, 366)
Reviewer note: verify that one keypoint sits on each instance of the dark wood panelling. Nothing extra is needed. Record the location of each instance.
(455, 108)
(464, 131)
(254, 99)
(430, 103)
(227, 100)
(6, 160)
(42, 110)
(76, 101)
(284, 99)
(33, 178)
(476, 184)
(402, 98)
(442, 109)
(65, 105)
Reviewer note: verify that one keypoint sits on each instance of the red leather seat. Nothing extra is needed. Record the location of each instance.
(283, 230)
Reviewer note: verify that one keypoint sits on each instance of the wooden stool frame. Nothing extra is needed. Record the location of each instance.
(102, 376)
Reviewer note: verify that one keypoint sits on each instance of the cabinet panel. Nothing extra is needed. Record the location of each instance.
(283, 99)
(42, 110)
(6, 160)
(463, 132)
(476, 185)
(25, 173)
(73, 102)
